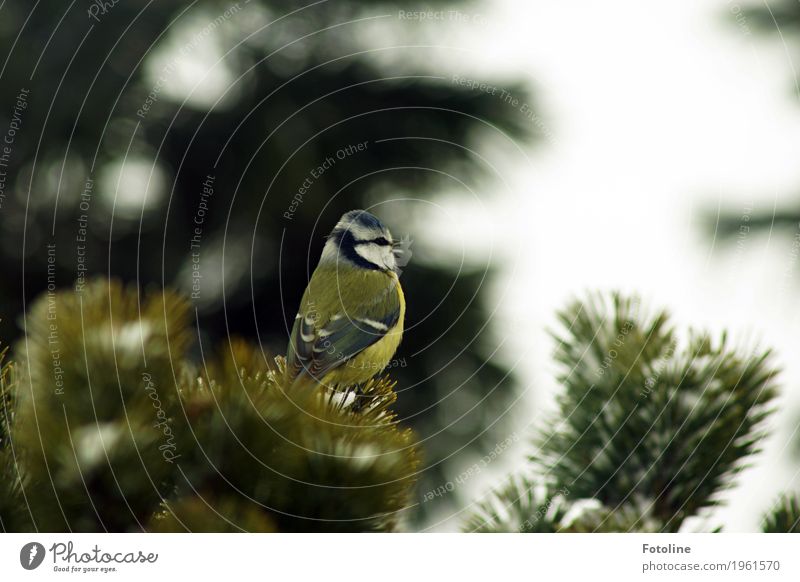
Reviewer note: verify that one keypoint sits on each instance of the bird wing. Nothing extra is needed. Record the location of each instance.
(316, 347)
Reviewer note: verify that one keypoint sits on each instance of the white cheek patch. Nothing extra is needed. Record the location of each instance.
(372, 253)
(379, 255)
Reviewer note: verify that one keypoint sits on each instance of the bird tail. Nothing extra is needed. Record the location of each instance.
(300, 380)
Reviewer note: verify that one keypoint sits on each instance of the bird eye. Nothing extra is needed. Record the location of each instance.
(381, 241)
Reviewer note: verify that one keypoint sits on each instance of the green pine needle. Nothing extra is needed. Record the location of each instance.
(86, 418)
(647, 430)
(13, 515)
(115, 430)
(521, 506)
(643, 419)
(784, 517)
(308, 461)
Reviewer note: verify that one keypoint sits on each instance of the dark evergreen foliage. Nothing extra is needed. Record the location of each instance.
(649, 430)
(784, 517)
(115, 430)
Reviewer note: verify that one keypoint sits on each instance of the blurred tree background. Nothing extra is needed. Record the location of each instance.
(142, 128)
(782, 17)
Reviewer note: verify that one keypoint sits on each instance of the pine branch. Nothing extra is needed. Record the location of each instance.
(13, 515)
(6, 401)
(642, 420)
(207, 513)
(646, 435)
(311, 461)
(95, 393)
(593, 517)
(525, 506)
(521, 506)
(784, 517)
(116, 431)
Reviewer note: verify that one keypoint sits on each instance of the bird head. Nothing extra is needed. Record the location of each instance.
(361, 240)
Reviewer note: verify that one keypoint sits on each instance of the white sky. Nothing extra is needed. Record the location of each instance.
(656, 112)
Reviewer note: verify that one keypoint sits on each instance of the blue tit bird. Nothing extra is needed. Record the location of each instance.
(350, 320)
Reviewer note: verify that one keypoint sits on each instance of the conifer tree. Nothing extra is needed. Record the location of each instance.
(109, 427)
(649, 430)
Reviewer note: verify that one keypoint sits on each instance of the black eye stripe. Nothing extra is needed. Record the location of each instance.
(380, 241)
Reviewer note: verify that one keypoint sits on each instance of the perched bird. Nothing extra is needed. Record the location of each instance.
(350, 320)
